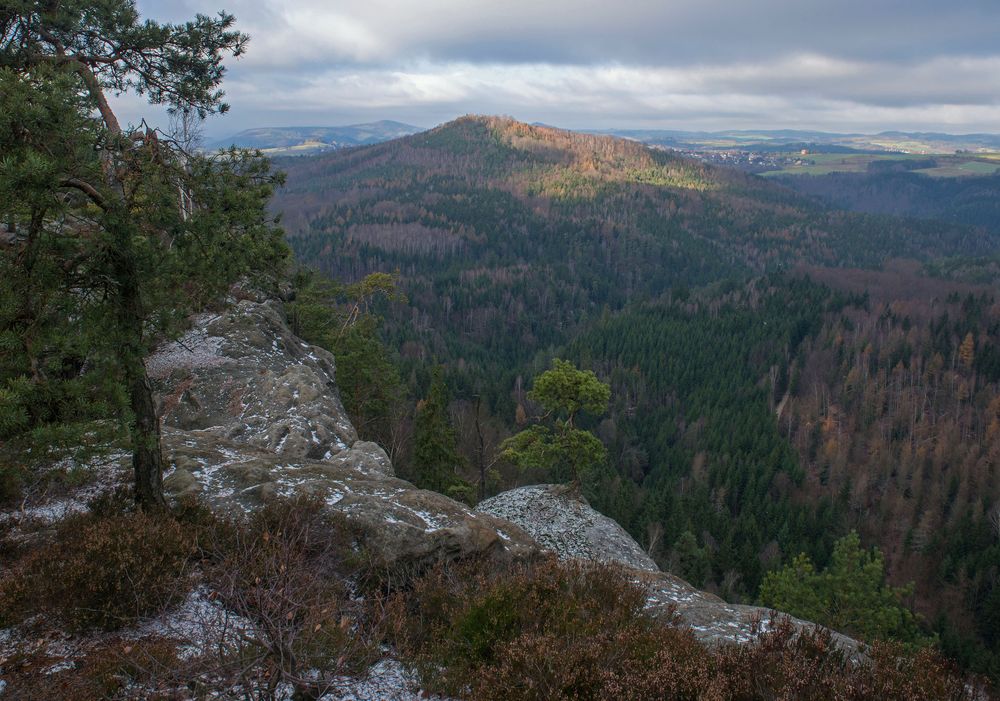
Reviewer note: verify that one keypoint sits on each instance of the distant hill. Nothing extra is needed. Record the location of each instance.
(489, 185)
(520, 235)
(816, 141)
(306, 140)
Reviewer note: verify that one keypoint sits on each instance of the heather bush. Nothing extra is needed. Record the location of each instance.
(550, 630)
(113, 669)
(287, 569)
(101, 570)
(543, 630)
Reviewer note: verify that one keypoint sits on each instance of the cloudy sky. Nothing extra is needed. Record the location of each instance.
(836, 65)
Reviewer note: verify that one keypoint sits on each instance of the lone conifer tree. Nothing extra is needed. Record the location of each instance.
(555, 443)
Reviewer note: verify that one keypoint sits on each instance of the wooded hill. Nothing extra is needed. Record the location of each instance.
(671, 279)
(518, 234)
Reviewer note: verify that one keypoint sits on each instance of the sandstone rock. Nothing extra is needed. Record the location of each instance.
(566, 524)
(242, 375)
(251, 413)
(563, 522)
(400, 525)
(181, 483)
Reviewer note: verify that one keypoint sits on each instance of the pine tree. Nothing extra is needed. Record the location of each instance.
(850, 595)
(123, 228)
(436, 461)
(340, 318)
(554, 443)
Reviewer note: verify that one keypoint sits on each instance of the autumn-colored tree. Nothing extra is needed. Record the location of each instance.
(967, 351)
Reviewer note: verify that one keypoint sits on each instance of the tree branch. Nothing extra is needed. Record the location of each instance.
(97, 92)
(85, 188)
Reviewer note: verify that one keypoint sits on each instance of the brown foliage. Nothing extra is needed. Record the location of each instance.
(545, 631)
(101, 571)
(287, 570)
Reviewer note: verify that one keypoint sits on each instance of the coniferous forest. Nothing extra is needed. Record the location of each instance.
(782, 373)
(233, 391)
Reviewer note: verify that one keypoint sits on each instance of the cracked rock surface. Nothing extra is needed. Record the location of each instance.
(243, 376)
(252, 413)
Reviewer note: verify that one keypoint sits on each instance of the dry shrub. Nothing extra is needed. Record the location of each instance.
(101, 571)
(550, 630)
(288, 570)
(114, 669)
(896, 674)
(544, 630)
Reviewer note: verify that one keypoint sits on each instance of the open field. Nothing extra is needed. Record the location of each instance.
(947, 165)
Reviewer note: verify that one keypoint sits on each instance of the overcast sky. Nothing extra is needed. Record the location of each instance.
(835, 65)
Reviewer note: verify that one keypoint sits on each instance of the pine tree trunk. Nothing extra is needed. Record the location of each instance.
(147, 456)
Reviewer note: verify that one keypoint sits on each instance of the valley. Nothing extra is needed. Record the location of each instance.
(708, 298)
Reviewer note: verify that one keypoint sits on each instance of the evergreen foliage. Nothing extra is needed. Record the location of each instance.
(436, 463)
(115, 233)
(554, 445)
(344, 320)
(849, 595)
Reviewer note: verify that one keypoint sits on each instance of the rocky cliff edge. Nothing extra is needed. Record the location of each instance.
(251, 413)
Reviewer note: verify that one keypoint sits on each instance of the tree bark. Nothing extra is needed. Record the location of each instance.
(147, 456)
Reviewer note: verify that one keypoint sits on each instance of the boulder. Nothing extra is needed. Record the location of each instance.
(562, 521)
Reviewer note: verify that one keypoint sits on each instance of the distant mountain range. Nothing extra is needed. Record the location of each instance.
(290, 141)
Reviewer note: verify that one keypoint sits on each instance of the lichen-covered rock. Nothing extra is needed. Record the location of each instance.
(400, 525)
(243, 376)
(562, 521)
(251, 413)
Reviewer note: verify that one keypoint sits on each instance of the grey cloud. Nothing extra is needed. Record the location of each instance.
(849, 64)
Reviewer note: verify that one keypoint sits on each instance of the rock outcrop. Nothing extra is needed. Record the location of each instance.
(561, 521)
(251, 413)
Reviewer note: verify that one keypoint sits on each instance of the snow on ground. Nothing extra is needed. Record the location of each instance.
(195, 349)
(100, 476)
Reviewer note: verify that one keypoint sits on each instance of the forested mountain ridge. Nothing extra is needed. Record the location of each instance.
(517, 234)
(625, 193)
(302, 140)
(517, 243)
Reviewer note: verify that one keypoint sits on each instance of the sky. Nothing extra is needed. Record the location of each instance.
(832, 65)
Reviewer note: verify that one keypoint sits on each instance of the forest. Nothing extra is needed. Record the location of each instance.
(778, 377)
(784, 403)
